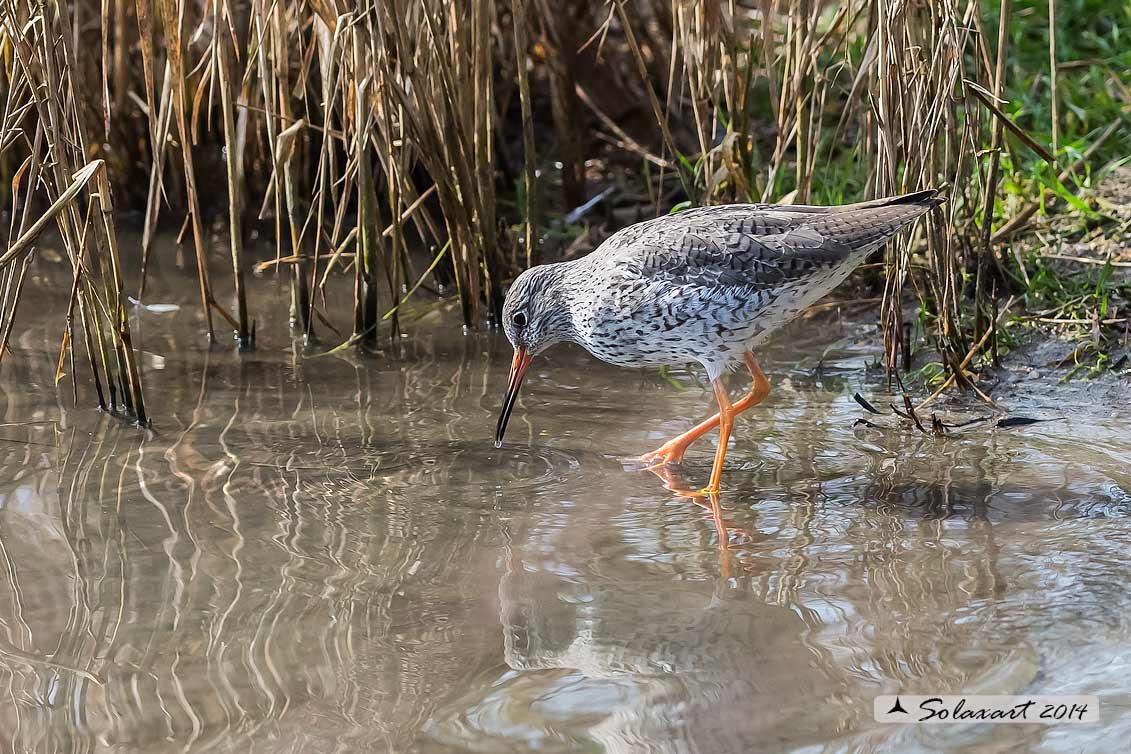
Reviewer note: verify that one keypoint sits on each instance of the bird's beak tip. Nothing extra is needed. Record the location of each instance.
(518, 370)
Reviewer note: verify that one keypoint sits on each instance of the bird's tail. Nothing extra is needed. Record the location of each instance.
(855, 230)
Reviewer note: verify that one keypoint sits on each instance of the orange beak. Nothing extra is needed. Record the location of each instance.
(521, 361)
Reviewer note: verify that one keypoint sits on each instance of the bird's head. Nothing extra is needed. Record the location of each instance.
(536, 316)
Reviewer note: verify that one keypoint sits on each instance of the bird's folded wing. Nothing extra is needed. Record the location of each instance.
(737, 245)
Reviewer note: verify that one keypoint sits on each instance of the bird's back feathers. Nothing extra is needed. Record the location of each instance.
(759, 245)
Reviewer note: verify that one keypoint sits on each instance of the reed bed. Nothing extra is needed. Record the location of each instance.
(481, 132)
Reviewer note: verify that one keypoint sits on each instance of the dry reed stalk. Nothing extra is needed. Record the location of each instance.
(369, 241)
(916, 64)
(42, 75)
(1053, 100)
(172, 22)
(224, 52)
(448, 119)
(160, 129)
(128, 372)
(990, 192)
(529, 159)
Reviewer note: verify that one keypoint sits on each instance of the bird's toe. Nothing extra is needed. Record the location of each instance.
(663, 456)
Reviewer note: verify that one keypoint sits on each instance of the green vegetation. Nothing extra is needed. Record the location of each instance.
(488, 134)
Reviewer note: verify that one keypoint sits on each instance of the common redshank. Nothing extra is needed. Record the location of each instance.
(706, 285)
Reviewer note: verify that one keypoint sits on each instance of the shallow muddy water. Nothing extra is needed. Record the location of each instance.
(329, 555)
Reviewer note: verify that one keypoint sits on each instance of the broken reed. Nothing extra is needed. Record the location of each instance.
(359, 129)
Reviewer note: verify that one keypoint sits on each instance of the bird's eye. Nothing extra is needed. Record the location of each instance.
(519, 319)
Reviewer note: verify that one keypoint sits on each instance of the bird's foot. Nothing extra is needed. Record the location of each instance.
(668, 454)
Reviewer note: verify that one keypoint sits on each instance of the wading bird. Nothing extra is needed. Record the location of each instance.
(706, 285)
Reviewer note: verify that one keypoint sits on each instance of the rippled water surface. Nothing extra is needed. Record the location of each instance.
(328, 555)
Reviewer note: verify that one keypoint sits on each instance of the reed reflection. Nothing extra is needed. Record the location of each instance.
(243, 573)
(318, 555)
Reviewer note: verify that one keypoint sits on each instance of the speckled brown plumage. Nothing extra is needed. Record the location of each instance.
(706, 285)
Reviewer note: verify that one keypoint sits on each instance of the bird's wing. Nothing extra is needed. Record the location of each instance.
(759, 246)
(733, 246)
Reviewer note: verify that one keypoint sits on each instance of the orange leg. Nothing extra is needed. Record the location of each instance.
(672, 451)
(726, 424)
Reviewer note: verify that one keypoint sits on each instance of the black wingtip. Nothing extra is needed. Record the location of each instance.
(922, 200)
(930, 197)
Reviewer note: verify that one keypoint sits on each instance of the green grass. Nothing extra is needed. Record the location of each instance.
(1093, 88)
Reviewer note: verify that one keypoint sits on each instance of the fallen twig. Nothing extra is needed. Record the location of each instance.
(867, 406)
(968, 358)
(1084, 260)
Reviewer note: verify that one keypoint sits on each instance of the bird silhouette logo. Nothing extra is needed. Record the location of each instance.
(897, 707)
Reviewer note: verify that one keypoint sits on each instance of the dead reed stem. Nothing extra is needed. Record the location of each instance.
(529, 157)
(986, 250)
(225, 53)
